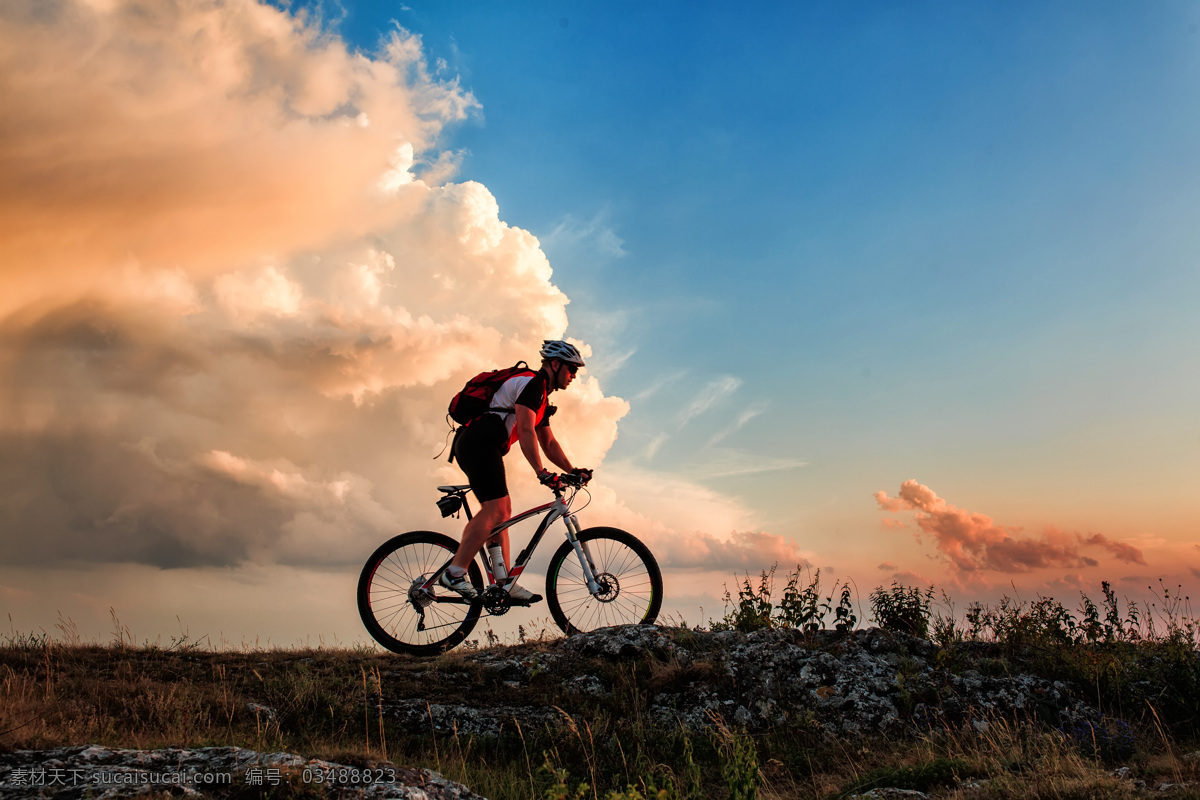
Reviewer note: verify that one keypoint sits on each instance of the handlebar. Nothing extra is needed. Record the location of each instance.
(567, 479)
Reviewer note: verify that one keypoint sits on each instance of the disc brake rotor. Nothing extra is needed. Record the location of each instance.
(610, 587)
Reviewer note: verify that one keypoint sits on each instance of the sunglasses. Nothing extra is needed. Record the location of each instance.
(572, 368)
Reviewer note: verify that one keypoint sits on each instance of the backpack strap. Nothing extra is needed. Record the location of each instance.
(454, 442)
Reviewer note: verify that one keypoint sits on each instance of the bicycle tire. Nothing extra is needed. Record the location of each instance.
(625, 566)
(383, 595)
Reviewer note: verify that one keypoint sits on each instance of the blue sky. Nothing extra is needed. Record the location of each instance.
(929, 239)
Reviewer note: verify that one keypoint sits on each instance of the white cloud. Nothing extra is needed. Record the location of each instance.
(715, 391)
(742, 418)
(592, 236)
(687, 525)
(195, 135)
(187, 389)
(651, 449)
(658, 385)
(721, 462)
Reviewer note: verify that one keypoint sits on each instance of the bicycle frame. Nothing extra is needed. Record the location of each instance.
(560, 508)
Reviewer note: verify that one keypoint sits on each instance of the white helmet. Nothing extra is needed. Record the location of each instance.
(563, 351)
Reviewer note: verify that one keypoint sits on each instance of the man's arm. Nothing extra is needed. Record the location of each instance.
(553, 449)
(526, 420)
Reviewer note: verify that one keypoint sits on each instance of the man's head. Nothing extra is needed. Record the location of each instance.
(560, 360)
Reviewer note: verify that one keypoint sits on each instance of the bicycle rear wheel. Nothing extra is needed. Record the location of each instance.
(390, 597)
(631, 587)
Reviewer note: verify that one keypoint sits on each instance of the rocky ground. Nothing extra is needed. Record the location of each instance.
(866, 682)
(832, 687)
(75, 773)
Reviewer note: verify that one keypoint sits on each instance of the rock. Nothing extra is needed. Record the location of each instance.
(485, 721)
(74, 773)
(843, 684)
(1167, 788)
(890, 793)
(263, 713)
(588, 685)
(622, 643)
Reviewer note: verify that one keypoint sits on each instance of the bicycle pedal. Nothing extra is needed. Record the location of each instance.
(525, 603)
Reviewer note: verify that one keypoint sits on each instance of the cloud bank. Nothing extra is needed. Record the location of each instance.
(235, 304)
(238, 293)
(974, 542)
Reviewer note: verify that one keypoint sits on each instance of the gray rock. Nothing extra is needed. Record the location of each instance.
(844, 685)
(483, 721)
(263, 713)
(891, 793)
(74, 773)
(622, 643)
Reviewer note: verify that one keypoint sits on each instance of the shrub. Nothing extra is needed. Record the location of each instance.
(753, 609)
(802, 606)
(904, 609)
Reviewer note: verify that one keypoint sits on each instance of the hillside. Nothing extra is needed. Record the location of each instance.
(631, 712)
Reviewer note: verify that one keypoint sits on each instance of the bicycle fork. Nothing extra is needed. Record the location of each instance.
(582, 553)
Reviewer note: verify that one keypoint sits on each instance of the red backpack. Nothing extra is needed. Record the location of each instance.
(475, 399)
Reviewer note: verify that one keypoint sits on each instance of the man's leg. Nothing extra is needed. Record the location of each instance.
(491, 513)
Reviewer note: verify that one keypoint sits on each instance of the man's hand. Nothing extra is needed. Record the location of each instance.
(550, 480)
(582, 475)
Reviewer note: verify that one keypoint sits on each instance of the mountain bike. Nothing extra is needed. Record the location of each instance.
(598, 577)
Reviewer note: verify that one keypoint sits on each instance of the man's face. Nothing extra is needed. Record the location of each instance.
(564, 374)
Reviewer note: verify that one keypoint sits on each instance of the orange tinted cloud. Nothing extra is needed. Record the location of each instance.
(198, 134)
(741, 550)
(973, 541)
(232, 308)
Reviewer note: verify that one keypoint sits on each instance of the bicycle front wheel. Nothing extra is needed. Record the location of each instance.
(400, 614)
(630, 583)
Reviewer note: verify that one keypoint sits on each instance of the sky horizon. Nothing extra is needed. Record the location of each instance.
(900, 292)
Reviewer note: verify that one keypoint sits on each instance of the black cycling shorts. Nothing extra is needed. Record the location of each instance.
(480, 450)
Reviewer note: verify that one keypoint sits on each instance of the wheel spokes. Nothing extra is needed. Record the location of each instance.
(627, 590)
(389, 595)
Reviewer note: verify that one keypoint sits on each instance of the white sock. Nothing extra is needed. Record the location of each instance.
(456, 572)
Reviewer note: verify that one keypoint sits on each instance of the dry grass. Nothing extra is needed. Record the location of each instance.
(327, 703)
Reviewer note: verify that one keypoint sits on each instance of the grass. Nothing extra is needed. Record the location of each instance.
(333, 703)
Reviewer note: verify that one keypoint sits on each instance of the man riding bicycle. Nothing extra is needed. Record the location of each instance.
(520, 413)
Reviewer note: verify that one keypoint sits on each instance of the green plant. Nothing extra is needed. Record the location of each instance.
(946, 632)
(1174, 610)
(1015, 623)
(753, 609)
(844, 618)
(692, 788)
(739, 761)
(902, 609)
(559, 789)
(801, 608)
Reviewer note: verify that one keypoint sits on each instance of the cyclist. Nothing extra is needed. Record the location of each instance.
(522, 416)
